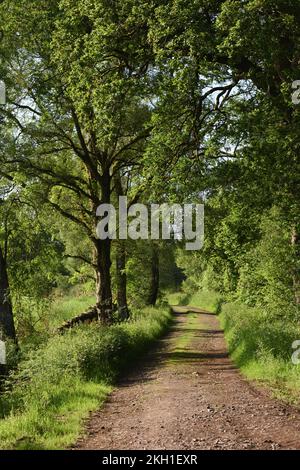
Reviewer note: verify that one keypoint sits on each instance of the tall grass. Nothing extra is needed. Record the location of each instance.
(42, 321)
(61, 382)
(177, 298)
(67, 307)
(209, 300)
(206, 299)
(262, 348)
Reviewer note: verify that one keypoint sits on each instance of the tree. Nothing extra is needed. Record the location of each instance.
(154, 280)
(77, 88)
(252, 48)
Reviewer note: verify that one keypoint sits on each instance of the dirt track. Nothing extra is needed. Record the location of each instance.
(187, 394)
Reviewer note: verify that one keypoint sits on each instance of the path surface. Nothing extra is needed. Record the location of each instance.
(187, 394)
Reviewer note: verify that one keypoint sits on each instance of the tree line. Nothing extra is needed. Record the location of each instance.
(159, 101)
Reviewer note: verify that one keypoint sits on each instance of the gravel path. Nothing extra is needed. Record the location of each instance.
(187, 394)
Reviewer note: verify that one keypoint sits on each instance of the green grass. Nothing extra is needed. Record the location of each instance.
(184, 340)
(67, 307)
(60, 424)
(57, 386)
(176, 298)
(261, 346)
(59, 310)
(208, 300)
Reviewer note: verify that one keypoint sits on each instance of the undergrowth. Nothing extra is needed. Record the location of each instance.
(57, 385)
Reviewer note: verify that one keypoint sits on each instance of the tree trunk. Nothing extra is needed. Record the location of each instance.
(296, 277)
(7, 326)
(121, 281)
(103, 281)
(154, 284)
(102, 261)
(121, 265)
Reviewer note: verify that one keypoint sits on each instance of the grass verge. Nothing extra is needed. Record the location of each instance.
(260, 345)
(57, 386)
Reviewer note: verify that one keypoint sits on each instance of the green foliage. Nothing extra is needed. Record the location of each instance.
(262, 347)
(266, 276)
(247, 256)
(33, 257)
(69, 376)
(207, 299)
(64, 308)
(183, 102)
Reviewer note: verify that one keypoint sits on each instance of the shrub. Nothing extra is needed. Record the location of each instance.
(79, 366)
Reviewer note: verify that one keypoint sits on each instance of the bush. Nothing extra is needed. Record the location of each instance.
(68, 377)
(260, 344)
(251, 330)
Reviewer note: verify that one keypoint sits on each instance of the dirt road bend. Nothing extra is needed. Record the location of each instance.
(187, 394)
